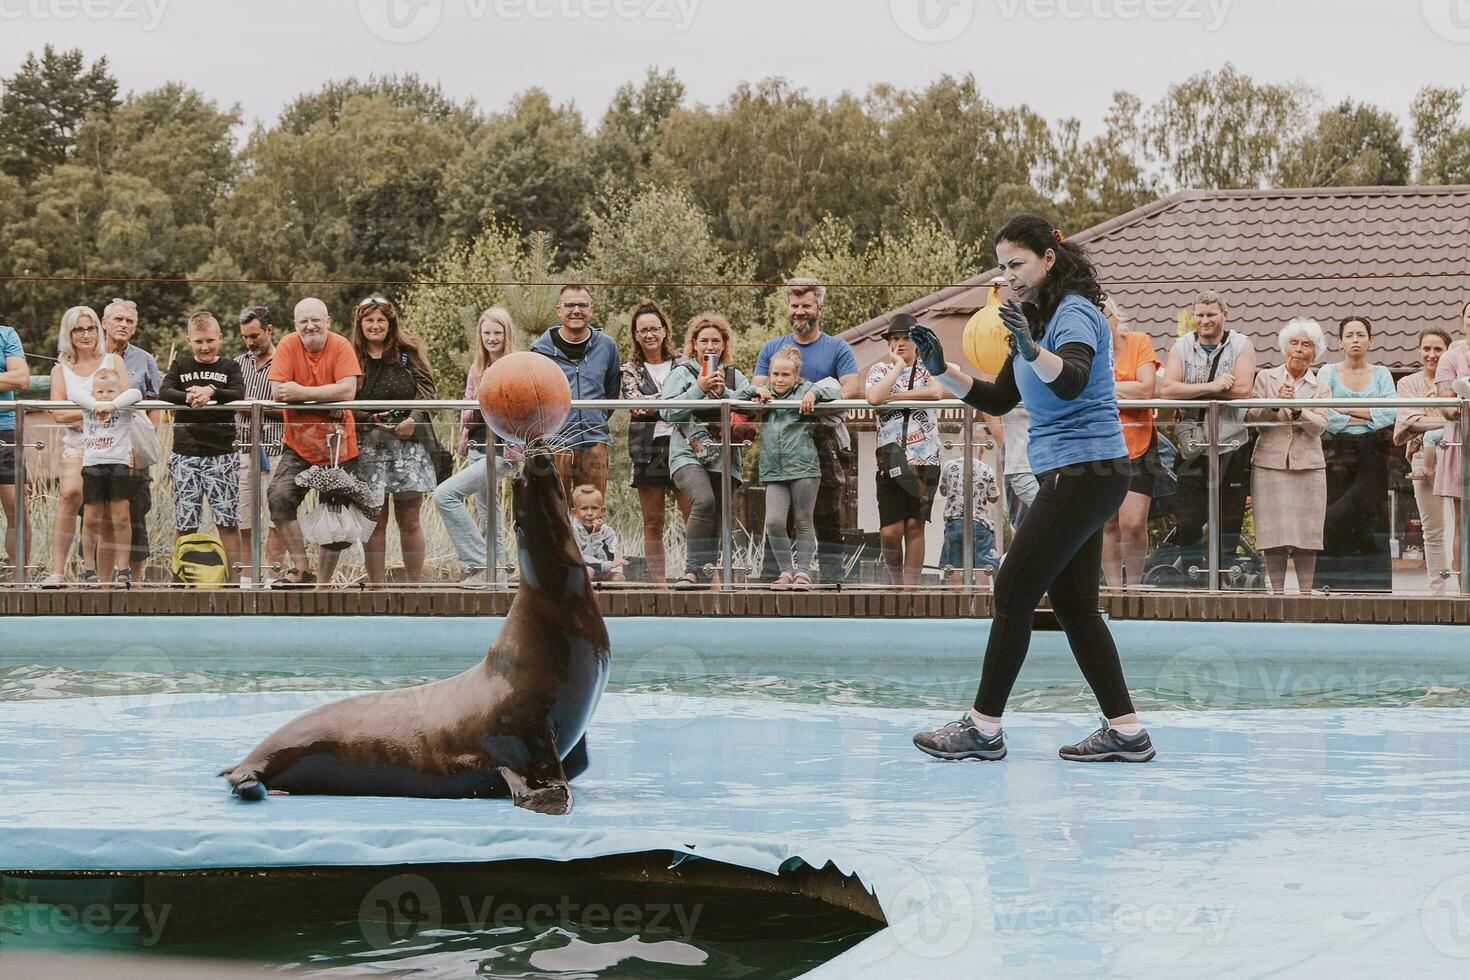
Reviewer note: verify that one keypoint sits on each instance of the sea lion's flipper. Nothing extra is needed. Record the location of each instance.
(576, 761)
(543, 786)
(245, 785)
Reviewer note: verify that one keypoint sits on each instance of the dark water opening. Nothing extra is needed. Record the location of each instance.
(626, 916)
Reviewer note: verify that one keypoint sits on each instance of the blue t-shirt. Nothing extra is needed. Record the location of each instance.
(825, 357)
(1086, 428)
(9, 347)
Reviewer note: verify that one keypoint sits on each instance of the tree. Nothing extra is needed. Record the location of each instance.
(771, 161)
(1441, 141)
(531, 167)
(1351, 146)
(43, 107)
(660, 235)
(344, 188)
(1109, 174)
(950, 149)
(453, 289)
(1224, 130)
(630, 128)
(214, 287)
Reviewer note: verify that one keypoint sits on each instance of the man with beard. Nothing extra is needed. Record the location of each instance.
(258, 333)
(119, 324)
(589, 358)
(823, 356)
(311, 365)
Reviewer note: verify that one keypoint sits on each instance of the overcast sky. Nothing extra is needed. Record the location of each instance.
(1062, 57)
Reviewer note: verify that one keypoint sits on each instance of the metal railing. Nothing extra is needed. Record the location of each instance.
(255, 410)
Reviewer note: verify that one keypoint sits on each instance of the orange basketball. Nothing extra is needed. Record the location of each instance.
(524, 395)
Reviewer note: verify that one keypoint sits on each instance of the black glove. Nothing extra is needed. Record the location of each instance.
(930, 350)
(1014, 318)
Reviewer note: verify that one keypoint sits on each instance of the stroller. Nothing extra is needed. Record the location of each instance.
(1171, 566)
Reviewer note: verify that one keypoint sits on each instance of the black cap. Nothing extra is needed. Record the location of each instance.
(899, 326)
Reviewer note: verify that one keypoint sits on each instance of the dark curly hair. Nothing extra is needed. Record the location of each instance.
(1072, 273)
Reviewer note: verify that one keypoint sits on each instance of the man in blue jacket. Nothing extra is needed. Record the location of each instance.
(590, 360)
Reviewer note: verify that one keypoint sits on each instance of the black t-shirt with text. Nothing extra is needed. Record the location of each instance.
(203, 433)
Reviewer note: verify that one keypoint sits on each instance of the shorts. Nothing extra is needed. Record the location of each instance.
(106, 483)
(654, 472)
(952, 555)
(284, 495)
(7, 457)
(1146, 470)
(247, 492)
(197, 479)
(895, 504)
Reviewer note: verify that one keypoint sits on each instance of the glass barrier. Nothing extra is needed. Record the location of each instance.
(1210, 505)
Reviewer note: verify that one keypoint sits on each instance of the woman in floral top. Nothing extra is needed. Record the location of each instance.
(985, 490)
(908, 452)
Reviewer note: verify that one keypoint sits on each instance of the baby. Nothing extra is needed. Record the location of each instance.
(107, 456)
(1421, 463)
(596, 540)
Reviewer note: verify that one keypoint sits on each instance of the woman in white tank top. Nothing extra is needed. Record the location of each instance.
(79, 354)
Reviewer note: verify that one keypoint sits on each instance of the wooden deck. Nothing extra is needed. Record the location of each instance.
(856, 603)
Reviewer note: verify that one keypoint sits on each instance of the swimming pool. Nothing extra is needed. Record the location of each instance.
(1307, 812)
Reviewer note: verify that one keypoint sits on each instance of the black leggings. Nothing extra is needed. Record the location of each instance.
(1058, 551)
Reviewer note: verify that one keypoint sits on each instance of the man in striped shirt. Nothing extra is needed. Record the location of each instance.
(258, 334)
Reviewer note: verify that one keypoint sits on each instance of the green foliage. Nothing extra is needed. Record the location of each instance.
(345, 188)
(950, 149)
(660, 235)
(1108, 175)
(631, 127)
(1225, 130)
(43, 107)
(1350, 145)
(464, 280)
(530, 167)
(771, 161)
(1443, 141)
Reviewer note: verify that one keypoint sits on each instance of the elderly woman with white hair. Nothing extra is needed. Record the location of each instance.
(1289, 471)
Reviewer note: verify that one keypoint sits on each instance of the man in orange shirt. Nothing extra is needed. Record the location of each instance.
(1135, 371)
(311, 365)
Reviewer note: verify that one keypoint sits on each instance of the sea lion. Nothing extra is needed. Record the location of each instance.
(512, 725)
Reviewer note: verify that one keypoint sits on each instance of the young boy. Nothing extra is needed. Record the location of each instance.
(203, 464)
(986, 491)
(107, 456)
(597, 541)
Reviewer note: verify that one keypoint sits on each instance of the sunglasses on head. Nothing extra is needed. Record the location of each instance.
(374, 301)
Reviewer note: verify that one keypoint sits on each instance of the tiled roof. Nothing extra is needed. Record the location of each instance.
(1397, 255)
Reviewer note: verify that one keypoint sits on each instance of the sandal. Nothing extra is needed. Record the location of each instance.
(52, 581)
(90, 579)
(302, 580)
(688, 581)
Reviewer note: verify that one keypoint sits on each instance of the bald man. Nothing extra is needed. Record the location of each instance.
(312, 365)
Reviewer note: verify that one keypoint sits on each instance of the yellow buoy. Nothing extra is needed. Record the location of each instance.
(987, 342)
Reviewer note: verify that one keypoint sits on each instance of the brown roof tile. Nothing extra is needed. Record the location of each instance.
(1397, 255)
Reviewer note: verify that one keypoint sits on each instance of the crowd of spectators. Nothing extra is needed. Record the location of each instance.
(1316, 478)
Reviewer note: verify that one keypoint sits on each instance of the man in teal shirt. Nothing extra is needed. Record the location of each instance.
(15, 375)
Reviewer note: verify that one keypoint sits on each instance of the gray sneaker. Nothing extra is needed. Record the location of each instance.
(961, 740)
(1107, 745)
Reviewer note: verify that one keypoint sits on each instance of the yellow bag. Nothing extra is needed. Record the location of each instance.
(200, 562)
(986, 340)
